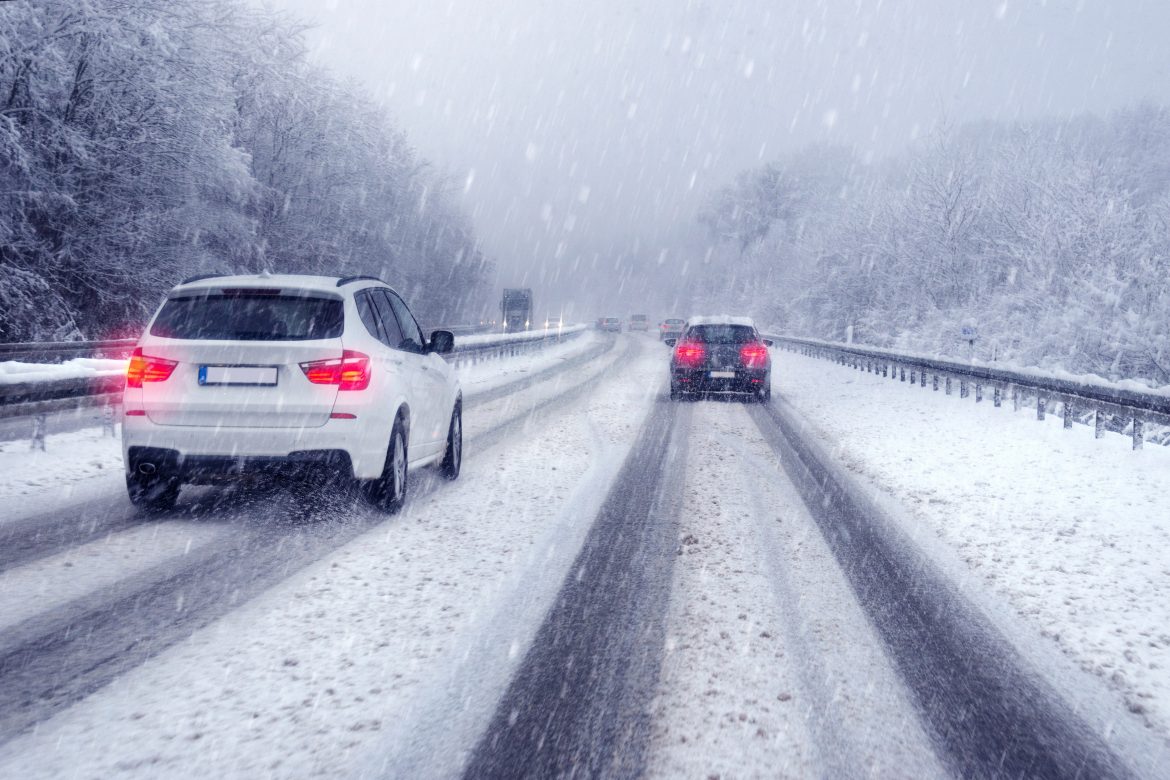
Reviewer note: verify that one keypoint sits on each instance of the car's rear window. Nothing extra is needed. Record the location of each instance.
(638, 317)
(675, 322)
(722, 334)
(247, 316)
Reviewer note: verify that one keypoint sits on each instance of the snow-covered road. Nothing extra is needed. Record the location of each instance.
(618, 585)
(771, 669)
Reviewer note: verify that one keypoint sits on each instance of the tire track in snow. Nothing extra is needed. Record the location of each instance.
(579, 704)
(987, 713)
(772, 669)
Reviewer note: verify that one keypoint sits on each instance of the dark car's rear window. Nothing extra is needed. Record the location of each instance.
(244, 316)
(676, 322)
(722, 334)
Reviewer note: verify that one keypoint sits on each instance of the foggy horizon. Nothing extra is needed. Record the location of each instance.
(586, 138)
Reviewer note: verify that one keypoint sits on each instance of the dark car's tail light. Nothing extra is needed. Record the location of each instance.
(144, 368)
(351, 371)
(689, 354)
(754, 355)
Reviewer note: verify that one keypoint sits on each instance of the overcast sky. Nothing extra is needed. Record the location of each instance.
(587, 132)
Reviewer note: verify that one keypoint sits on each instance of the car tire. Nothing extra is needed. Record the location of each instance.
(675, 393)
(764, 394)
(453, 457)
(388, 492)
(156, 493)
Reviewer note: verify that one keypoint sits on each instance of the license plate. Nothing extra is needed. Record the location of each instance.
(723, 375)
(263, 376)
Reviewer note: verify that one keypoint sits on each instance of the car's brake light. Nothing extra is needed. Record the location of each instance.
(351, 371)
(689, 354)
(754, 355)
(144, 368)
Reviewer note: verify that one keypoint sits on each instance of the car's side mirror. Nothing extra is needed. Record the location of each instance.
(769, 343)
(442, 342)
(670, 342)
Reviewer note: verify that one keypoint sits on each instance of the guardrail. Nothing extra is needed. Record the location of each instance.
(34, 397)
(1104, 404)
(510, 345)
(51, 351)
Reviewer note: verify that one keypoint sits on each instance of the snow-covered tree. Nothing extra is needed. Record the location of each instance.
(145, 140)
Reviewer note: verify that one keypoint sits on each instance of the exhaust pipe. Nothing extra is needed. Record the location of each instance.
(147, 469)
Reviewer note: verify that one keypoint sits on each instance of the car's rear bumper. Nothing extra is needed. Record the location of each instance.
(363, 445)
(701, 381)
(210, 469)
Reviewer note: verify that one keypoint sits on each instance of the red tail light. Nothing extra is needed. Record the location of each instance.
(144, 368)
(689, 354)
(351, 371)
(754, 355)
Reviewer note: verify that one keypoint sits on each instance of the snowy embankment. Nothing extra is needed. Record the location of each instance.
(1073, 532)
(388, 654)
(488, 375)
(481, 339)
(14, 372)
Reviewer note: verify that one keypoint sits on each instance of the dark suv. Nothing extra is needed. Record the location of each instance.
(722, 355)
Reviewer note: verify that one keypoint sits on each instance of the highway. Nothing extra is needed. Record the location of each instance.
(619, 586)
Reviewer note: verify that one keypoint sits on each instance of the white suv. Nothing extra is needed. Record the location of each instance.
(289, 374)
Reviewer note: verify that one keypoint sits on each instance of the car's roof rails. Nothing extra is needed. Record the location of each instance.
(201, 277)
(347, 279)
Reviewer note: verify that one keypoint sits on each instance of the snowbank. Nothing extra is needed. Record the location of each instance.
(481, 339)
(15, 372)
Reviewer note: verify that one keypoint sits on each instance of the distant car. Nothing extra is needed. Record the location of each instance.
(720, 354)
(289, 374)
(611, 324)
(638, 322)
(670, 328)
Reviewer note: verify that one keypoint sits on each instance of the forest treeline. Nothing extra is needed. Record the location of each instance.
(1049, 239)
(142, 141)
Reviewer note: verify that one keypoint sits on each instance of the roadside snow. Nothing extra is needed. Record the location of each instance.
(490, 374)
(16, 372)
(527, 335)
(1073, 532)
(771, 667)
(385, 657)
(68, 459)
